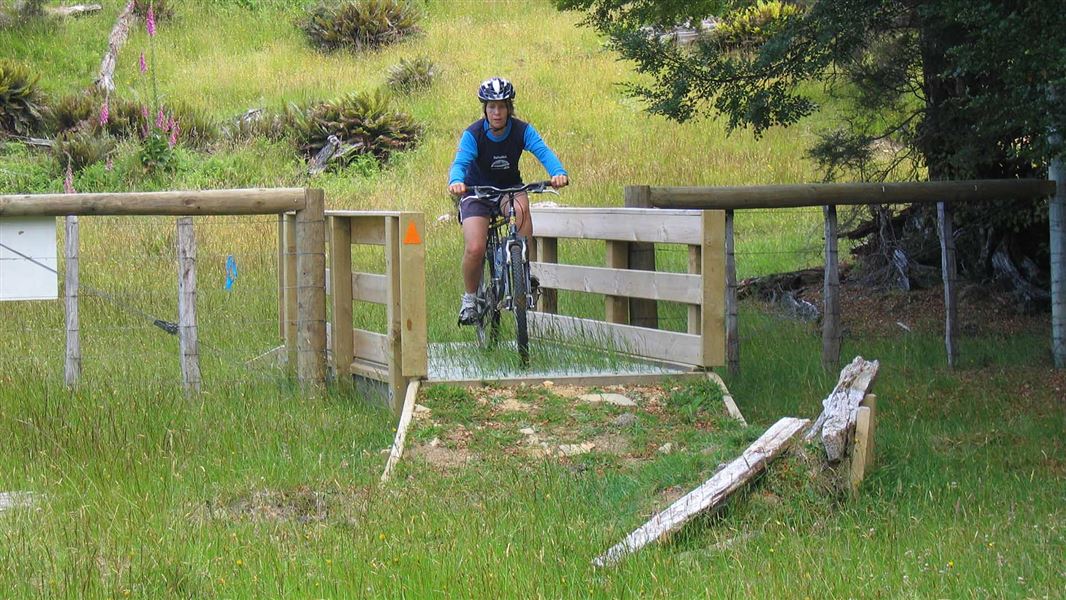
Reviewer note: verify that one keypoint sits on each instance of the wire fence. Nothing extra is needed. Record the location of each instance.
(128, 303)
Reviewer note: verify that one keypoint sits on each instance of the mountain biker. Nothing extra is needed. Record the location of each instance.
(488, 154)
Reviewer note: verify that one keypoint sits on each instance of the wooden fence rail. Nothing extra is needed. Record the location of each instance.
(831, 195)
(702, 287)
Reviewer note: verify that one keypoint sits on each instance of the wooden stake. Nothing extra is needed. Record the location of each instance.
(311, 291)
(831, 316)
(289, 289)
(1057, 223)
(712, 493)
(401, 430)
(72, 371)
(732, 326)
(838, 415)
(859, 449)
(945, 221)
(642, 313)
(188, 343)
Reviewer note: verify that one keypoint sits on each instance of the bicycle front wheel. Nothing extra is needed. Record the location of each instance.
(520, 298)
(488, 305)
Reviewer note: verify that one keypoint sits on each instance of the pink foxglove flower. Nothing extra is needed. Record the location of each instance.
(105, 113)
(144, 64)
(173, 126)
(149, 20)
(160, 119)
(68, 181)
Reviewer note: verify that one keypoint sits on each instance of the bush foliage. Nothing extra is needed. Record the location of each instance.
(412, 75)
(82, 146)
(360, 24)
(364, 120)
(22, 106)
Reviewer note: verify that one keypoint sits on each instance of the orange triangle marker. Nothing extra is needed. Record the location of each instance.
(412, 237)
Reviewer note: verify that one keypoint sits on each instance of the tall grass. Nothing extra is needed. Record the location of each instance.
(253, 489)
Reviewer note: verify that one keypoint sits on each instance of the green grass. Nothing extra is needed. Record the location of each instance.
(255, 490)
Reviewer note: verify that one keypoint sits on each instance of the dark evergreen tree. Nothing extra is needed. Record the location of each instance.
(956, 89)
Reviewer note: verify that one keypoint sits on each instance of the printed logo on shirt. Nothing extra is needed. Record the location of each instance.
(500, 163)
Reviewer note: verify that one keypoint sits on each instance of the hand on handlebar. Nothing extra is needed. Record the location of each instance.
(458, 188)
(560, 181)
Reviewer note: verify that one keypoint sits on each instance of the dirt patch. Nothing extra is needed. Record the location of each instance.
(301, 505)
(442, 458)
(611, 443)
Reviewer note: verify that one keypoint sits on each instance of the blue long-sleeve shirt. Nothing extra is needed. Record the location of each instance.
(467, 152)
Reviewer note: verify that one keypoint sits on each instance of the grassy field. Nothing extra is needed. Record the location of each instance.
(255, 490)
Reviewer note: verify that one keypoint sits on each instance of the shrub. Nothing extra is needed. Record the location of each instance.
(751, 26)
(82, 146)
(20, 11)
(22, 106)
(412, 75)
(196, 128)
(364, 121)
(360, 24)
(72, 110)
(258, 124)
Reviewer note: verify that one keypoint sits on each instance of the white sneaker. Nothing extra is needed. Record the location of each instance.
(468, 310)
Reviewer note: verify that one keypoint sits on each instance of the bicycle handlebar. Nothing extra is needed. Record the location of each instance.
(490, 191)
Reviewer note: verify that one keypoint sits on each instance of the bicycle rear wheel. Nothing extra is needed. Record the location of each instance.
(488, 304)
(520, 297)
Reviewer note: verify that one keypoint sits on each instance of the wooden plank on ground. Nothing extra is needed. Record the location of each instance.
(837, 420)
(712, 493)
(678, 348)
(673, 287)
(396, 453)
(727, 399)
(9, 500)
(620, 224)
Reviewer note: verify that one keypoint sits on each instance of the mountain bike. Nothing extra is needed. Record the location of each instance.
(506, 283)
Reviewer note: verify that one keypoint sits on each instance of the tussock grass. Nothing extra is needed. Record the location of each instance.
(252, 489)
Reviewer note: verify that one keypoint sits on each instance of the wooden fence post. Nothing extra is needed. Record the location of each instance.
(946, 226)
(188, 343)
(72, 371)
(732, 327)
(393, 327)
(642, 312)
(287, 268)
(548, 249)
(1057, 222)
(340, 256)
(617, 307)
(831, 291)
(311, 290)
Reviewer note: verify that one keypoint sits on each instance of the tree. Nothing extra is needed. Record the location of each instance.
(954, 89)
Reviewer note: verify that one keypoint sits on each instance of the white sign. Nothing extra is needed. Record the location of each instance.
(28, 265)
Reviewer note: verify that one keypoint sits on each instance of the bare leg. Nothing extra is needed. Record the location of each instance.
(475, 230)
(525, 222)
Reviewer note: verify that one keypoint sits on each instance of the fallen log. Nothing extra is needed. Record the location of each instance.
(75, 10)
(837, 420)
(119, 33)
(712, 493)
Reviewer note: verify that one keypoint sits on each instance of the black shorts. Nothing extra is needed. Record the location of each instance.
(472, 206)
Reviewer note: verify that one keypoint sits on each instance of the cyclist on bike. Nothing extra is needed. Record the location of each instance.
(488, 154)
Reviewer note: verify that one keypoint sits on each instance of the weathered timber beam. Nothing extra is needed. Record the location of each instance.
(712, 493)
(180, 203)
(820, 194)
